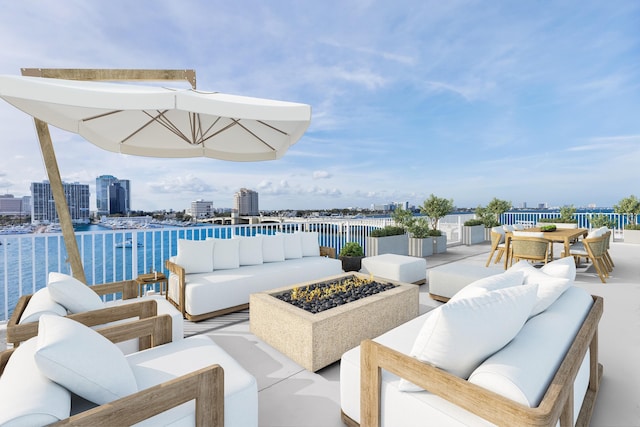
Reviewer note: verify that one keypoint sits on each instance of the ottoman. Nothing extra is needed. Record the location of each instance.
(401, 268)
(445, 281)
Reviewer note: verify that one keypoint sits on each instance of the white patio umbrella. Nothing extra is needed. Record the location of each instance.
(149, 121)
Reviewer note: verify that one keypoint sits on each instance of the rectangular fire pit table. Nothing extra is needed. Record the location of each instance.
(317, 340)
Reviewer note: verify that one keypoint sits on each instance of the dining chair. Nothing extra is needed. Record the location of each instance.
(593, 248)
(497, 244)
(528, 248)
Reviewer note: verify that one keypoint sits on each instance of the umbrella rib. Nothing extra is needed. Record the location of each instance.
(99, 116)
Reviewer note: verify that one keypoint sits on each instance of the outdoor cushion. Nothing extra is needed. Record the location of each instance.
(250, 250)
(83, 361)
(491, 283)
(226, 254)
(310, 245)
(27, 397)
(549, 287)
(41, 303)
(292, 245)
(273, 248)
(563, 268)
(528, 233)
(195, 256)
(72, 294)
(459, 335)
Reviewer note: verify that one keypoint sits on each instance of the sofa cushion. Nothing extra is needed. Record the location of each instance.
(72, 294)
(250, 250)
(310, 245)
(549, 287)
(292, 245)
(83, 361)
(459, 335)
(41, 303)
(27, 397)
(563, 268)
(491, 283)
(273, 248)
(195, 256)
(226, 254)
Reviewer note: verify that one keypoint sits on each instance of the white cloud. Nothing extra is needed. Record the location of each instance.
(321, 175)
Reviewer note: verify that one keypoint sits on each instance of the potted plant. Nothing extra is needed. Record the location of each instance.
(473, 231)
(351, 256)
(630, 207)
(420, 239)
(391, 239)
(566, 219)
(435, 208)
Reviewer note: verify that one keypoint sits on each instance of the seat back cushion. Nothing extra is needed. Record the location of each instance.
(292, 245)
(226, 254)
(549, 287)
(250, 250)
(195, 256)
(460, 335)
(310, 245)
(41, 303)
(491, 283)
(72, 294)
(27, 397)
(273, 248)
(83, 361)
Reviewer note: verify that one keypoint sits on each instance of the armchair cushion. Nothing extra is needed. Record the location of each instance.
(491, 283)
(41, 303)
(82, 360)
(72, 294)
(196, 256)
(226, 254)
(27, 397)
(549, 287)
(460, 335)
(310, 245)
(250, 250)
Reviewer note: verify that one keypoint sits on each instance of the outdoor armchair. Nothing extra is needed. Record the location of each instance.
(536, 249)
(497, 244)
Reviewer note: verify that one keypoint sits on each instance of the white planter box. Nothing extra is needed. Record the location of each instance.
(631, 236)
(398, 245)
(421, 247)
(473, 234)
(440, 244)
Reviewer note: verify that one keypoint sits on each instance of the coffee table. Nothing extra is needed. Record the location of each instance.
(317, 340)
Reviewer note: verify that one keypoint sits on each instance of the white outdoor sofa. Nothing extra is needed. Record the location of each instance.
(70, 370)
(487, 357)
(212, 277)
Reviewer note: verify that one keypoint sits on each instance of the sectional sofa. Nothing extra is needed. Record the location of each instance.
(212, 277)
(517, 348)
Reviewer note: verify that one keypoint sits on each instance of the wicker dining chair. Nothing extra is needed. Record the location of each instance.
(497, 244)
(595, 249)
(534, 249)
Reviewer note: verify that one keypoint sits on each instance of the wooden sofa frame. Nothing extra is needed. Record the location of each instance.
(205, 386)
(17, 333)
(180, 304)
(556, 404)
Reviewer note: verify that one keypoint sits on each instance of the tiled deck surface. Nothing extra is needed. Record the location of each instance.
(292, 396)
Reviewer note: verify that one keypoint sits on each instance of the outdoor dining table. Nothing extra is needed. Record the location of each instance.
(561, 235)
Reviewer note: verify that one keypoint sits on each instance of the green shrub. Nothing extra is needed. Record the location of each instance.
(472, 222)
(559, 220)
(351, 249)
(632, 227)
(550, 227)
(389, 230)
(601, 220)
(419, 228)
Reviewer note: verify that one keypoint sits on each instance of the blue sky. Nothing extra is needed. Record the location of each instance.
(531, 101)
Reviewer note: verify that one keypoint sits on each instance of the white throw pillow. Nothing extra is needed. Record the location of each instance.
(72, 294)
(41, 303)
(460, 335)
(27, 397)
(549, 287)
(226, 254)
(273, 248)
(195, 256)
(292, 245)
(491, 283)
(310, 245)
(250, 250)
(563, 268)
(83, 361)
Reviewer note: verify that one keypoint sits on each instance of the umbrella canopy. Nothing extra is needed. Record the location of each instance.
(161, 122)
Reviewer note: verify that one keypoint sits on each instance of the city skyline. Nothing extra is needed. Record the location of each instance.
(524, 102)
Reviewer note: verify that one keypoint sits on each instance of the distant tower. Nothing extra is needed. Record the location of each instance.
(116, 199)
(103, 198)
(43, 208)
(201, 208)
(246, 202)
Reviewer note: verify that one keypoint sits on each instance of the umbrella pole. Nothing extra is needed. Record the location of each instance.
(49, 156)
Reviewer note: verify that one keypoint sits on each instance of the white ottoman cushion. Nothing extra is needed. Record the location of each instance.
(447, 280)
(396, 267)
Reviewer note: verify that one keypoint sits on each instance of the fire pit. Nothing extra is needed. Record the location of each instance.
(315, 340)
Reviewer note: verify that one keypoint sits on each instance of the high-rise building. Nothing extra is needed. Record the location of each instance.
(116, 199)
(103, 199)
(201, 208)
(246, 202)
(43, 207)
(10, 205)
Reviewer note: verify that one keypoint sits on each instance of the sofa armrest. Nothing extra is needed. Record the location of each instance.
(17, 333)
(180, 273)
(327, 251)
(128, 289)
(557, 403)
(205, 386)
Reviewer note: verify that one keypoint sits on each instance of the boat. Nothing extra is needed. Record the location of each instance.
(128, 243)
